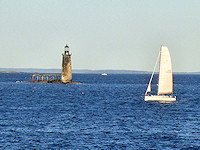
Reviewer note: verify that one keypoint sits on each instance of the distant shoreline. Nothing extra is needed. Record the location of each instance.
(81, 71)
(11, 72)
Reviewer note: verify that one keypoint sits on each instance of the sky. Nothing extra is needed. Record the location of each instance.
(101, 34)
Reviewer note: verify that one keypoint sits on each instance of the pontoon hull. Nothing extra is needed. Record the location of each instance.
(160, 98)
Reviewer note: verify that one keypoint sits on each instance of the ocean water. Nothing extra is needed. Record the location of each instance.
(103, 112)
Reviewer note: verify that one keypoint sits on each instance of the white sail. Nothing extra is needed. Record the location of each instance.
(149, 86)
(165, 83)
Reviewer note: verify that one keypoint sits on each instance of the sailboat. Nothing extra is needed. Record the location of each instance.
(165, 79)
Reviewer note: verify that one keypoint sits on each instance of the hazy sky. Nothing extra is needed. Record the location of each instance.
(102, 34)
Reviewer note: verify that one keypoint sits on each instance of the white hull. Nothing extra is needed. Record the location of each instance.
(160, 98)
(104, 74)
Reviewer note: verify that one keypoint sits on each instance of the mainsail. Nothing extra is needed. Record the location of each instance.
(165, 83)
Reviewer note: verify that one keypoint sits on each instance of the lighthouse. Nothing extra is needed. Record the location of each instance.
(66, 74)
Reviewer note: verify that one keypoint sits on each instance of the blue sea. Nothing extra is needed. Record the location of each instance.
(103, 112)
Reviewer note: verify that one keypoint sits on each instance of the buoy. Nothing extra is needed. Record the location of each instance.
(82, 92)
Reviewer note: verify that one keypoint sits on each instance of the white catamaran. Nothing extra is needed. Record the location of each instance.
(165, 80)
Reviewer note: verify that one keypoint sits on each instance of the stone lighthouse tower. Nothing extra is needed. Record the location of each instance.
(66, 74)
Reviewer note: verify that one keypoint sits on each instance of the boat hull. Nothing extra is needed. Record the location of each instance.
(160, 98)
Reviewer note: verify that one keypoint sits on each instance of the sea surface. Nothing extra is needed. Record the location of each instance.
(103, 112)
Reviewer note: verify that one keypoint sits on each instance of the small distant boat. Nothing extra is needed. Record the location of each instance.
(165, 80)
(104, 74)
